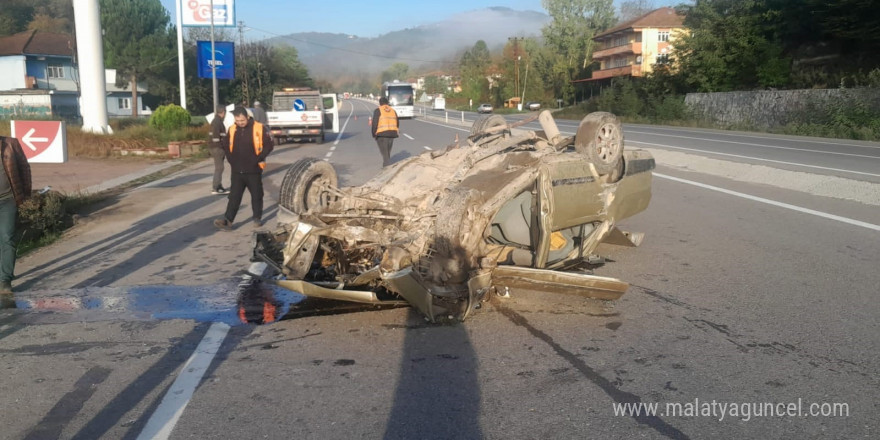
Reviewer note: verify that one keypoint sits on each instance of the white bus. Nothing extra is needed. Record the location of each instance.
(400, 96)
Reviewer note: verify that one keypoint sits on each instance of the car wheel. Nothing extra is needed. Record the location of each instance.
(600, 139)
(484, 123)
(304, 188)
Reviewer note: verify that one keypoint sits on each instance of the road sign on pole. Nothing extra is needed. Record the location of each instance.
(42, 141)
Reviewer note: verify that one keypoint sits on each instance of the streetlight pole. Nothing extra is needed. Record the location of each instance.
(245, 86)
(214, 61)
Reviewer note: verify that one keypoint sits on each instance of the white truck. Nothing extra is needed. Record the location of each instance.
(302, 114)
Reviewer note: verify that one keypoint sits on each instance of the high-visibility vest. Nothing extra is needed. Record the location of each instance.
(387, 119)
(258, 139)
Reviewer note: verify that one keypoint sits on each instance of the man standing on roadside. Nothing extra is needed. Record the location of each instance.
(246, 149)
(260, 114)
(385, 128)
(218, 133)
(15, 187)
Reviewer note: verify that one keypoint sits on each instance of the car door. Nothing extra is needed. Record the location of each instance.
(331, 113)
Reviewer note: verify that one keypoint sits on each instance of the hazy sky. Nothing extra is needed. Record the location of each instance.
(364, 18)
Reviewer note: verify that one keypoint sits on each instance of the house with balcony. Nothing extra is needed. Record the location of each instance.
(39, 75)
(41, 79)
(635, 47)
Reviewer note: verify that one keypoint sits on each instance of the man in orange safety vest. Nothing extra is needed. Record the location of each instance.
(385, 128)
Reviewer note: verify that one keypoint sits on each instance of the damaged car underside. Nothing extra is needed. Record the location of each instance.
(511, 208)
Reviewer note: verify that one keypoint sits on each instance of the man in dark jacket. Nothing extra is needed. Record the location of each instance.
(218, 133)
(385, 127)
(15, 187)
(260, 114)
(246, 148)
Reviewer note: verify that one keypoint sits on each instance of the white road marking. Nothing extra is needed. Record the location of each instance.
(427, 147)
(162, 421)
(409, 137)
(760, 145)
(774, 203)
(339, 136)
(756, 158)
(168, 412)
(739, 134)
(443, 125)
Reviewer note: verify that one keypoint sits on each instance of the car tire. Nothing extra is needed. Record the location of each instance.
(303, 188)
(600, 138)
(484, 123)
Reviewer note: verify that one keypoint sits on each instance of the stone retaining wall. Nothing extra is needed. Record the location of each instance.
(773, 108)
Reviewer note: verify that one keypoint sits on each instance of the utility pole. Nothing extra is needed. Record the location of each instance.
(245, 88)
(214, 61)
(516, 58)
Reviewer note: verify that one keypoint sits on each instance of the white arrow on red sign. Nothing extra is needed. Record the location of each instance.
(28, 139)
(42, 141)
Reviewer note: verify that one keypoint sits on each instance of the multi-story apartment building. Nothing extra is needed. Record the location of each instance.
(634, 47)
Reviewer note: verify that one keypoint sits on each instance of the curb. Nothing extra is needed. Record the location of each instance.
(122, 180)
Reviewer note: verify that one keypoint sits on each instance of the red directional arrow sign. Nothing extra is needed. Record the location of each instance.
(42, 141)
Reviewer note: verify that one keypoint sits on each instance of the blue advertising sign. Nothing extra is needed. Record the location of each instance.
(224, 54)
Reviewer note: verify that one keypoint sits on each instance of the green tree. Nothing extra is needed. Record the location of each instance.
(15, 16)
(474, 67)
(632, 9)
(570, 34)
(397, 71)
(434, 85)
(138, 40)
(732, 45)
(285, 69)
(53, 16)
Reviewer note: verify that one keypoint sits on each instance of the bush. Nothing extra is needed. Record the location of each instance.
(43, 212)
(43, 217)
(170, 117)
(120, 124)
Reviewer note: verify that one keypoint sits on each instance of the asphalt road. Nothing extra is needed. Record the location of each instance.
(745, 298)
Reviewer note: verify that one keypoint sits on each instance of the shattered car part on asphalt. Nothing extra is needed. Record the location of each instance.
(511, 209)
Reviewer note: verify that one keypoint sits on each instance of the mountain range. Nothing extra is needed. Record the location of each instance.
(426, 48)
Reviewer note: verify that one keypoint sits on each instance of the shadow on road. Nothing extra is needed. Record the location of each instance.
(438, 392)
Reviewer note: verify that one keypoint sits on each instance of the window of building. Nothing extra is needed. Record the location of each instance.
(124, 103)
(663, 36)
(55, 71)
(617, 62)
(663, 58)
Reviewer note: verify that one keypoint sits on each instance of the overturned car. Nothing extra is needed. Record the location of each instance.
(510, 209)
